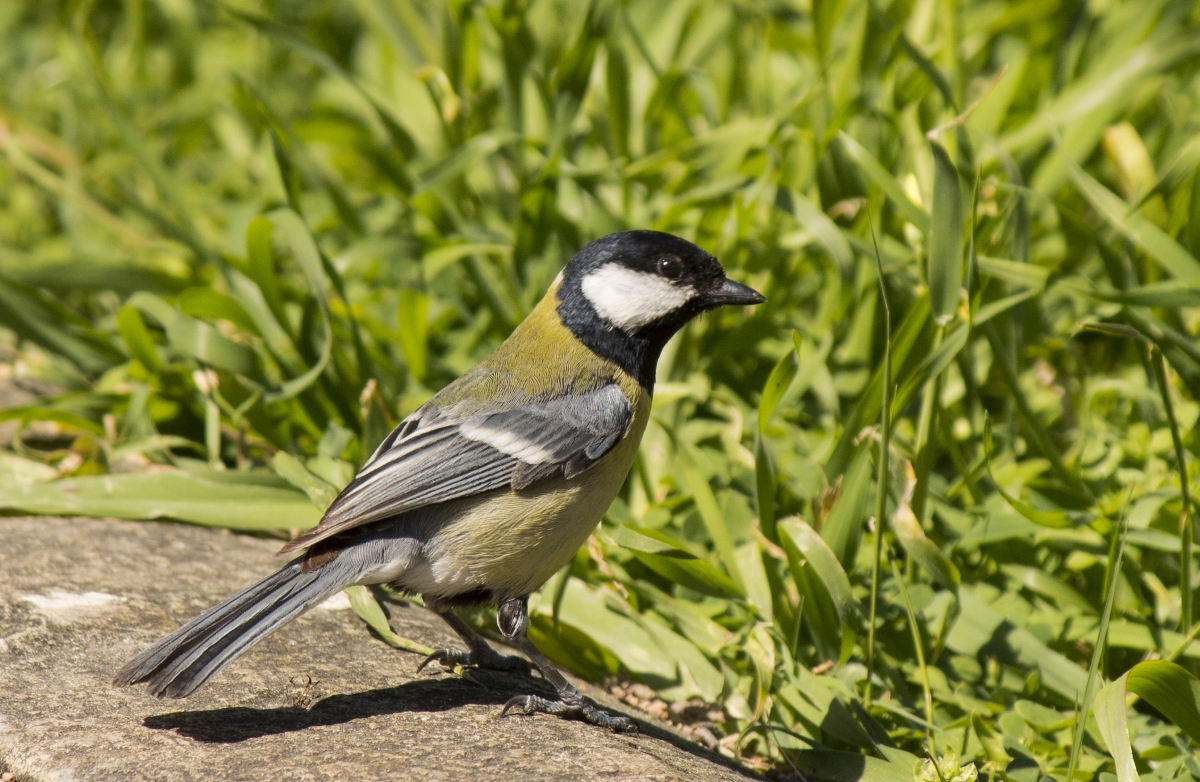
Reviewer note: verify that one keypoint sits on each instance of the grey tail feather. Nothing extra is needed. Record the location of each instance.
(180, 663)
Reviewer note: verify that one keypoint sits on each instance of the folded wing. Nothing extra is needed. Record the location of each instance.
(435, 456)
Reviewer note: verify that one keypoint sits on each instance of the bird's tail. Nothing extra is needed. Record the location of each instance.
(178, 664)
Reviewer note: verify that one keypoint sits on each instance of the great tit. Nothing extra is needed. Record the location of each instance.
(487, 490)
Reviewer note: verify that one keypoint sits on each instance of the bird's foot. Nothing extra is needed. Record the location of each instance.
(477, 658)
(573, 708)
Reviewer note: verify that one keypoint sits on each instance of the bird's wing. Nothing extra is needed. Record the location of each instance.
(435, 456)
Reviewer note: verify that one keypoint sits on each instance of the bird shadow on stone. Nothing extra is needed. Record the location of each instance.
(234, 724)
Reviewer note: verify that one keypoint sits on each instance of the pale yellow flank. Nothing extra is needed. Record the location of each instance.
(511, 543)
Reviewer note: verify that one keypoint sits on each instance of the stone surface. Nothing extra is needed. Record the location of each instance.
(79, 596)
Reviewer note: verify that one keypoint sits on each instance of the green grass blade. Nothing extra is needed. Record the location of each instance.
(1109, 708)
(944, 268)
(414, 330)
(262, 269)
(765, 486)
(292, 228)
(1171, 689)
(369, 610)
(1112, 576)
(842, 529)
(882, 470)
(28, 314)
(1147, 236)
(1034, 426)
(319, 491)
(1186, 519)
(918, 649)
(922, 550)
(886, 182)
(778, 382)
(802, 538)
(671, 560)
(167, 495)
(137, 339)
(710, 513)
(1165, 685)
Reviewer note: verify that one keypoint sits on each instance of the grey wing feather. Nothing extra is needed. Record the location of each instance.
(435, 456)
(567, 434)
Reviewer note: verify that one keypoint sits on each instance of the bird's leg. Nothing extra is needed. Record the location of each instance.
(513, 619)
(478, 654)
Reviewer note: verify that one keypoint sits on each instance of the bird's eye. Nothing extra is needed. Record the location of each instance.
(670, 267)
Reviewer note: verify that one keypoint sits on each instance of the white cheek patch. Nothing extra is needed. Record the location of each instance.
(630, 299)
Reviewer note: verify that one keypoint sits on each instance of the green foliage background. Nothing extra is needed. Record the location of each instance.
(239, 241)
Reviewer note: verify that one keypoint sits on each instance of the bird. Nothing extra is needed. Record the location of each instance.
(490, 487)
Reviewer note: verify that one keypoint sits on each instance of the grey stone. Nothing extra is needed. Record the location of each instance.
(79, 596)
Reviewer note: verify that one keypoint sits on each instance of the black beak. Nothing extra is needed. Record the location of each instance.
(730, 292)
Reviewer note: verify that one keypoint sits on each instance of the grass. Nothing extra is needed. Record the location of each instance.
(239, 241)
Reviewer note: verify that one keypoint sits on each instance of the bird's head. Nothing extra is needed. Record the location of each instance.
(631, 291)
(645, 282)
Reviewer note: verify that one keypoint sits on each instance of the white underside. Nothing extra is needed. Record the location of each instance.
(630, 299)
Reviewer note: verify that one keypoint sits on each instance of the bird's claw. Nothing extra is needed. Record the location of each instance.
(573, 709)
(490, 660)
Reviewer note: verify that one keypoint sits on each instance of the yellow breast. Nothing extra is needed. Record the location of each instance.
(510, 543)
